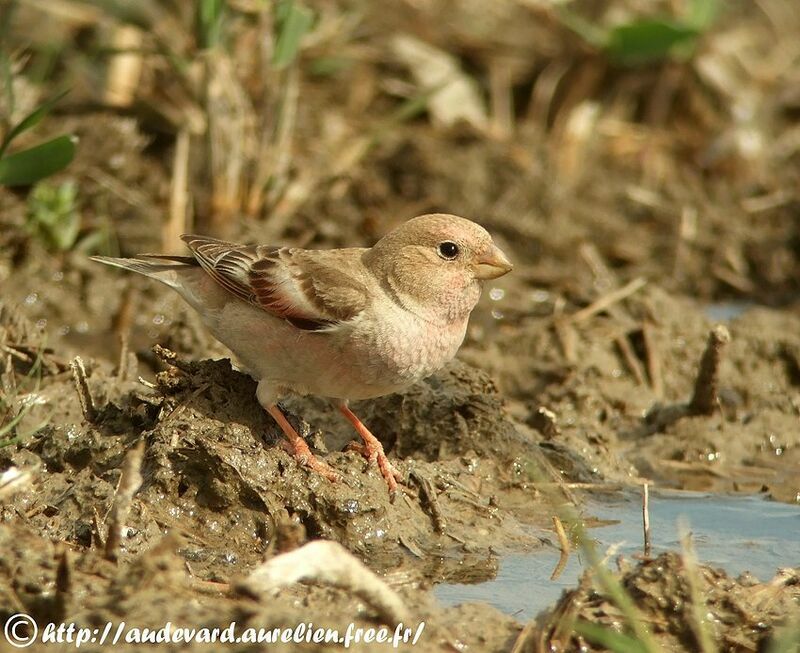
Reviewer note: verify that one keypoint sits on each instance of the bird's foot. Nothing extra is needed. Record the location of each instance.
(390, 474)
(299, 450)
(372, 450)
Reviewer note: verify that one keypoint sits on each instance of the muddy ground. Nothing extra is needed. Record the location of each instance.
(631, 244)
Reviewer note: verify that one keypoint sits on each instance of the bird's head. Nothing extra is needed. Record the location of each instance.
(434, 263)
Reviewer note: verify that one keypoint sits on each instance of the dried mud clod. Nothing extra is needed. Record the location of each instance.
(545, 421)
(705, 398)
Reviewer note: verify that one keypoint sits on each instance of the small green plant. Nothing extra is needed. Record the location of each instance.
(30, 165)
(53, 216)
(8, 425)
(646, 40)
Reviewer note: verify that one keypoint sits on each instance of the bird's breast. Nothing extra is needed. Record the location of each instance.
(401, 348)
(380, 352)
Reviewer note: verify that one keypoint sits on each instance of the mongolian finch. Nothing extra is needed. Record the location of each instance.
(345, 324)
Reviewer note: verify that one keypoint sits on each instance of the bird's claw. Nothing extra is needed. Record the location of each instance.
(376, 456)
(303, 455)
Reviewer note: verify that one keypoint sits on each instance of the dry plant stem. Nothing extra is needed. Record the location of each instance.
(687, 233)
(705, 399)
(282, 148)
(653, 358)
(733, 278)
(178, 222)
(16, 354)
(82, 388)
(544, 91)
(63, 584)
(68, 11)
(125, 69)
(230, 136)
(604, 276)
(123, 319)
(631, 360)
(567, 338)
(545, 469)
(502, 104)
(609, 300)
(127, 194)
(646, 518)
(169, 357)
(574, 138)
(520, 644)
(129, 483)
(124, 350)
(330, 563)
(563, 544)
(99, 530)
(429, 495)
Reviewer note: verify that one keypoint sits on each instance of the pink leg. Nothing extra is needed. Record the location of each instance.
(373, 449)
(298, 447)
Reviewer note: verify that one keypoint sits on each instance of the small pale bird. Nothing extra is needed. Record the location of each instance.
(346, 324)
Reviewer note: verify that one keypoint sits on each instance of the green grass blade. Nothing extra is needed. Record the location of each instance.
(9, 426)
(703, 13)
(8, 87)
(698, 608)
(294, 20)
(210, 14)
(37, 162)
(648, 40)
(31, 120)
(593, 34)
(607, 638)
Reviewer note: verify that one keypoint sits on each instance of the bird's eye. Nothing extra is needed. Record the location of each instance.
(448, 250)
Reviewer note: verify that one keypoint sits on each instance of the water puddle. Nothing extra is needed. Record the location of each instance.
(726, 311)
(736, 533)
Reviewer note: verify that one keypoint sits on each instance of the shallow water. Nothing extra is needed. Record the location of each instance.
(736, 533)
(726, 311)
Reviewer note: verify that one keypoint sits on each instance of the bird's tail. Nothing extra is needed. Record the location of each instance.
(163, 268)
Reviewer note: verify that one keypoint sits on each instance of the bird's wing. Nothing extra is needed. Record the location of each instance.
(312, 290)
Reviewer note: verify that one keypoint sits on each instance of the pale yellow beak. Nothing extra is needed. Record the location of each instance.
(492, 264)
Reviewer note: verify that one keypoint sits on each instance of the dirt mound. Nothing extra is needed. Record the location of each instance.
(670, 596)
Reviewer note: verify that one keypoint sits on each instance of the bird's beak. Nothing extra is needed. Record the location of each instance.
(492, 264)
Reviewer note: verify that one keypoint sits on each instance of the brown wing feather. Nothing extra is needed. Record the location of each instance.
(311, 290)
